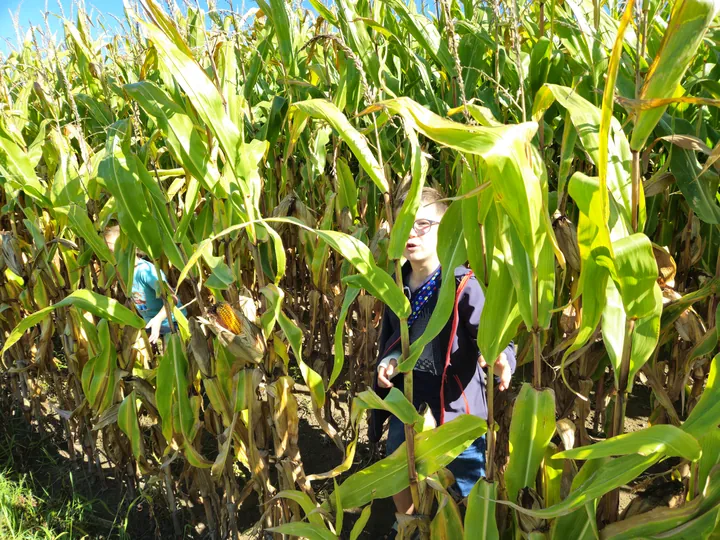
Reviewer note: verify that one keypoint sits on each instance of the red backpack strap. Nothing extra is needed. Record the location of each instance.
(453, 333)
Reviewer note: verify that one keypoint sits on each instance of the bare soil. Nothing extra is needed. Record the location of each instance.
(45, 457)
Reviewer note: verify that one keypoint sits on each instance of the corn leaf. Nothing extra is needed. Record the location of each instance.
(706, 414)
(434, 449)
(662, 439)
(101, 306)
(480, 519)
(128, 423)
(531, 428)
(325, 110)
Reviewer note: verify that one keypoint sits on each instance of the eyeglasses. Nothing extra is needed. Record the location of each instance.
(423, 226)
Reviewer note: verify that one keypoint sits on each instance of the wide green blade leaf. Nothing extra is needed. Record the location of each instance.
(311, 531)
(696, 519)
(480, 519)
(81, 224)
(531, 428)
(586, 118)
(706, 414)
(325, 110)
(128, 423)
(351, 293)
(689, 21)
(615, 473)
(406, 217)
(120, 175)
(660, 439)
(500, 317)
(97, 304)
(184, 140)
(312, 378)
(433, 450)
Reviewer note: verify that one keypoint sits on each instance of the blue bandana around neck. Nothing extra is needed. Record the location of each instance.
(423, 295)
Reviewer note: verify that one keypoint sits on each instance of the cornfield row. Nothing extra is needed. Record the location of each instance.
(255, 157)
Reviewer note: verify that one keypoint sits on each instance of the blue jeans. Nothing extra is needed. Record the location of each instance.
(467, 468)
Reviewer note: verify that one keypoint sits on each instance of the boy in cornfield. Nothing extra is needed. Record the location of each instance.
(448, 376)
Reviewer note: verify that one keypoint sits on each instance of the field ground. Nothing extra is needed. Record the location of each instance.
(43, 494)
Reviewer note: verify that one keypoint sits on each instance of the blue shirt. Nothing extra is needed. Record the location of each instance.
(146, 289)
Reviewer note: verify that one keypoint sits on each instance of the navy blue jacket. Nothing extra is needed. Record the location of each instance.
(463, 381)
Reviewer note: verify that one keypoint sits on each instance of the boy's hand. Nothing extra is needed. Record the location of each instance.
(154, 327)
(501, 369)
(385, 373)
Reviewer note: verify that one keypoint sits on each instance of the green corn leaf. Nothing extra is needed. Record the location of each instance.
(311, 531)
(567, 149)
(540, 63)
(644, 336)
(532, 285)
(531, 428)
(434, 449)
(706, 413)
(351, 293)
(471, 226)
(596, 258)
(689, 21)
(710, 443)
(361, 522)
(278, 15)
(305, 503)
(128, 423)
(636, 273)
(698, 187)
(424, 31)
(662, 439)
(184, 140)
(347, 190)
(17, 169)
(98, 305)
(586, 120)
(696, 519)
(204, 95)
(312, 378)
(615, 473)
(257, 63)
(123, 180)
(552, 476)
(81, 224)
(579, 523)
(480, 519)
(325, 110)
(500, 317)
(98, 375)
(447, 523)
(406, 217)
(395, 403)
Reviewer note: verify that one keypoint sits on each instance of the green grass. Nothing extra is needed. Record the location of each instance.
(23, 515)
(46, 496)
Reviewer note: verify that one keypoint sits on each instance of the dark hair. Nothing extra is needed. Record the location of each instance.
(429, 196)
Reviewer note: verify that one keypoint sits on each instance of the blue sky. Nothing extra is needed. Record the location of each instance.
(30, 12)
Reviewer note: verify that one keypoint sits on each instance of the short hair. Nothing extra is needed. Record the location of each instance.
(429, 196)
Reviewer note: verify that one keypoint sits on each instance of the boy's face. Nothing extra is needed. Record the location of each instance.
(111, 240)
(422, 247)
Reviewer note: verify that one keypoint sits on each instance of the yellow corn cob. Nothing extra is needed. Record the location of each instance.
(227, 318)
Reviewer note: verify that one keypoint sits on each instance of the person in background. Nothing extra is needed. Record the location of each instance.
(448, 376)
(146, 292)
